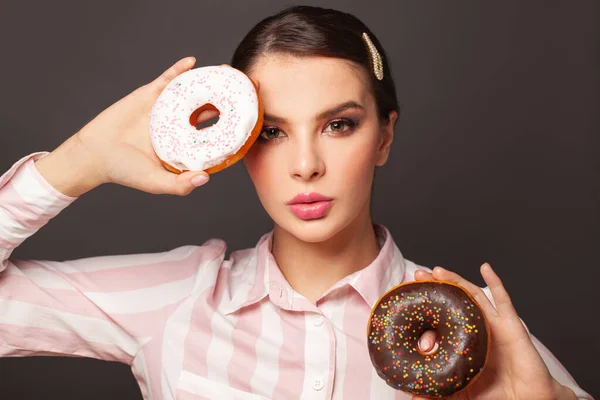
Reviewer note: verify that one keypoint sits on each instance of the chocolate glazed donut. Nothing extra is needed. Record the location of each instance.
(398, 320)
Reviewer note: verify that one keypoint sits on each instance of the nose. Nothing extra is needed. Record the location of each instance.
(305, 159)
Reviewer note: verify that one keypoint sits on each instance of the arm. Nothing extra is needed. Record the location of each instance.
(102, 307)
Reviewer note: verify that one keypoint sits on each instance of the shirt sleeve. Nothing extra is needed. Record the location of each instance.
(105, 307)
(555, 367)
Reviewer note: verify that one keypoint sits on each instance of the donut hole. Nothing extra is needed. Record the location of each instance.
(204, 117)
(432, 334)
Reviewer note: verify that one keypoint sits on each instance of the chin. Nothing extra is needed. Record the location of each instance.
(313, 230)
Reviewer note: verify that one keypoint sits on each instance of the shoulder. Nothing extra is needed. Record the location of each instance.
(212, 266)
(410, 268)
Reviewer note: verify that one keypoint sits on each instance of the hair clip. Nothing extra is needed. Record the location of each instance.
(375, 57)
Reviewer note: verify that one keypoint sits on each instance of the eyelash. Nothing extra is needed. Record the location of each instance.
(351, 123)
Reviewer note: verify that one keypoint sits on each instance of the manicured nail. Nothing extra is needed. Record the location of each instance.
(199, 180)
(425, 344)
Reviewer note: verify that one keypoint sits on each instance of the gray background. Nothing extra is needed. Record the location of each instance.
(495, 157)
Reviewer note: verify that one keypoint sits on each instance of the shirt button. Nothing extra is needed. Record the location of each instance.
(318, 384)
(318, 320)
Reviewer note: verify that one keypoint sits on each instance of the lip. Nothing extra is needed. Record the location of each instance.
(308, 198)
(310, 205)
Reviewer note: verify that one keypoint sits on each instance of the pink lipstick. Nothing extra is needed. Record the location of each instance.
(310, 205)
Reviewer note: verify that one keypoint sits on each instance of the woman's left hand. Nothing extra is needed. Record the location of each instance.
(515, 369)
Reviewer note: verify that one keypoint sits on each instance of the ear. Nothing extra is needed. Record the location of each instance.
(386, 138)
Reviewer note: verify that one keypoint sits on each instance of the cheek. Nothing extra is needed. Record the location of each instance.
(261, 167)
(353, 163)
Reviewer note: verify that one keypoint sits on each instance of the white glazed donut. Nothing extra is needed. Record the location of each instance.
(175, 139)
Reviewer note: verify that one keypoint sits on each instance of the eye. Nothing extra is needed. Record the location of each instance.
(338, 125)
(269, 133)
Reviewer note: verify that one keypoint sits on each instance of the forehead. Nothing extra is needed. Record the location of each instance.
(301, 87)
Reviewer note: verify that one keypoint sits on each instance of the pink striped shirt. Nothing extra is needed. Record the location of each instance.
(190, 323)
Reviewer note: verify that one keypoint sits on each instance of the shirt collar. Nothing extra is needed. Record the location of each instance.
(262, 277)
(385, 272)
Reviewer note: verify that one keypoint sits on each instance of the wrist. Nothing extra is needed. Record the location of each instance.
(69, 168)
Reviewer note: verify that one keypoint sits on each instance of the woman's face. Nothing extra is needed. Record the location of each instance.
(307, 146)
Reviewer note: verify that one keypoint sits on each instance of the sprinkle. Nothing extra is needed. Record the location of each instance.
(396, 325)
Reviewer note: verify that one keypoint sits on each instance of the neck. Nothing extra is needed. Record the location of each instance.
(312, 268)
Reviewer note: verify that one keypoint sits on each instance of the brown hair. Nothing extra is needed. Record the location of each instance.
(315, 31)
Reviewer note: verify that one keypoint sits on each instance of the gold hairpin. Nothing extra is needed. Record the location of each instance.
(375, 57)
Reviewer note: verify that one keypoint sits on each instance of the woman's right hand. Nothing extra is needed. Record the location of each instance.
(115, 147)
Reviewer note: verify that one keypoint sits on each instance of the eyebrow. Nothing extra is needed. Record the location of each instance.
(325, 114)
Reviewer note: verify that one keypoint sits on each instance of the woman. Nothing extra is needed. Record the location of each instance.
(287, 318)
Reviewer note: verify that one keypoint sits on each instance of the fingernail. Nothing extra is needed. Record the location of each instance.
(425, 344)
(199, 180)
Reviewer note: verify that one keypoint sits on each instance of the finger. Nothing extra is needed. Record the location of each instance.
(174, 70)
(475, 291)
(421, 275)
(149, 175)
(428, 341)
(166, 182)
(503, 302)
